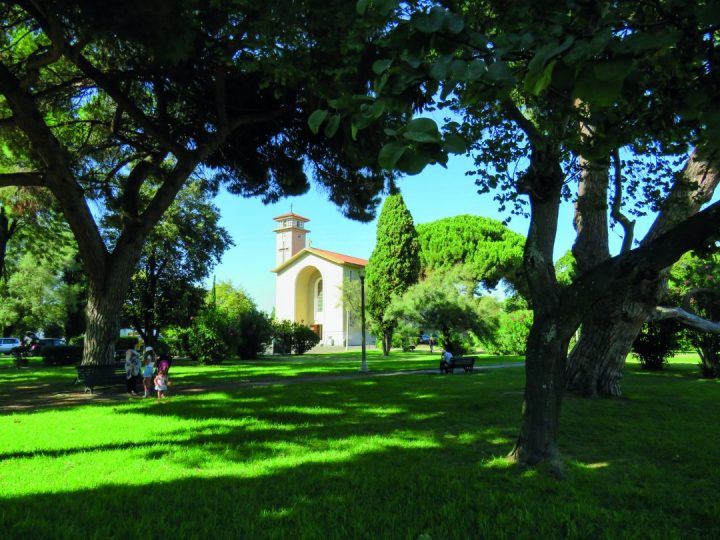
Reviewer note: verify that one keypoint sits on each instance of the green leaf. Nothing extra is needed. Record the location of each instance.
(441, 67)
(379, 66)
(454, 144)
(412, 162)
(411, 59)
(612, 70)
(499, 71)
(429, 23)
(361, 6)
(317, 118)
(475, 70)
(453, 23)
(600, 93)
(422, 130)
(457, 69)
(536, 83)
(332, 126)
(419, 136)
(390, 154)
(547, 52)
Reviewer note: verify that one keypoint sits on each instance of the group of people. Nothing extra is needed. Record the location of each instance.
(154, 372)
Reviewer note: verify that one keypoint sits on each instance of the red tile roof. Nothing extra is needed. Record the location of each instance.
(290, 214)
(340, 257)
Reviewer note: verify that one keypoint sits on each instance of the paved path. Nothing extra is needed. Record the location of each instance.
(58, 395)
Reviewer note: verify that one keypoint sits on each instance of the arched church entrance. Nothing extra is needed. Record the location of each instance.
(310, 299)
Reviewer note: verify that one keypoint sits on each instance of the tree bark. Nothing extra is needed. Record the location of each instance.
(551, 330)
(596, 364)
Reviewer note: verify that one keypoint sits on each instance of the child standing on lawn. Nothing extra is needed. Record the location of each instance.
(161, 383)
(148, 369)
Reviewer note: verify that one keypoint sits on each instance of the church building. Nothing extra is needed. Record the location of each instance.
(308, 284)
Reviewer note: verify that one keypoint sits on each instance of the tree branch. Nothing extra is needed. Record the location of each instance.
(105, 83)
(522, 121)
(686, 318)
(59, 176)
(642, 263)
(627, 224)
(22, 178)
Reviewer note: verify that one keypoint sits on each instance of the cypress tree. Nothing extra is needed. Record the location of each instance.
(394, 264)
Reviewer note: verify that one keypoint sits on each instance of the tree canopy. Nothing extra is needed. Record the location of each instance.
(113, 116)
(489, 251)
(179, 254)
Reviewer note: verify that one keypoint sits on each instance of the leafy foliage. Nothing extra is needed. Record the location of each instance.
(32, 300)
(303, 339)
(695, 282)
(657, 341)
(489, 251)
(114, 117)
(178, 255)
(229, 324)
(405, 336)
(293, 337)
(512, 333)
(394, 264)
(440, 303)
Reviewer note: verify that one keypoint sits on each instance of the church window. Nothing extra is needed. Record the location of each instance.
(319, 296)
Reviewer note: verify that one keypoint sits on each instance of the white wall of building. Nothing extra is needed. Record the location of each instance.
(296, 298)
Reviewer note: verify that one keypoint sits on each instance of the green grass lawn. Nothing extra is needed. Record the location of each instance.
(415, 456)
(267, 367)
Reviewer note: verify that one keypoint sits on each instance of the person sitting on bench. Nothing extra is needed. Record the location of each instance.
(447, 357)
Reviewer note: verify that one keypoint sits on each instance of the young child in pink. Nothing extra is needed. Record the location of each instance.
(161, 383)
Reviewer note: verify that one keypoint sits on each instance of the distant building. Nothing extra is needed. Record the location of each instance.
(308, 284)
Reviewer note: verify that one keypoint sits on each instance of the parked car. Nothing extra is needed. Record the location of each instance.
(7, 344)
(51, 342)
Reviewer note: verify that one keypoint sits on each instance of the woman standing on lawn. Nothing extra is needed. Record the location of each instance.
(132, 370)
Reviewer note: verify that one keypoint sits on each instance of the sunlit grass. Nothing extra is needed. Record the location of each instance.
(390, 457)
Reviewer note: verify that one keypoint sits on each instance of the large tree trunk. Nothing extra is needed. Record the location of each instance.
(551, 329)
(103, 325)
(106, 295)
(544, 365)
(596, 364)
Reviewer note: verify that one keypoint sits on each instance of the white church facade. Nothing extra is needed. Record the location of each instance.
(308, 284)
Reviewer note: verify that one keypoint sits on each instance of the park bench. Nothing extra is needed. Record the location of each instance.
(107, 375)
(465, 362)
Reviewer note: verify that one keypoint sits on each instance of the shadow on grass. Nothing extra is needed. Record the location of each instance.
(440, 492)
(376, 458)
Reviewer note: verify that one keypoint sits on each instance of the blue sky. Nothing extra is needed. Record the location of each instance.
(435, 193)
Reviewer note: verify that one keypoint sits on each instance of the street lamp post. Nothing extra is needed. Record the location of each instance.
(363, 363)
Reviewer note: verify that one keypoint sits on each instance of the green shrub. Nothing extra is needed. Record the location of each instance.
(293, 337)
(512, 333)
(206, 341)
(303, 338)
(177, 340)
(282, 337)
(405, 337)
(255, 334)
(656, 342)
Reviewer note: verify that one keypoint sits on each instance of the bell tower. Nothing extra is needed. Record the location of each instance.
(290, 236)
